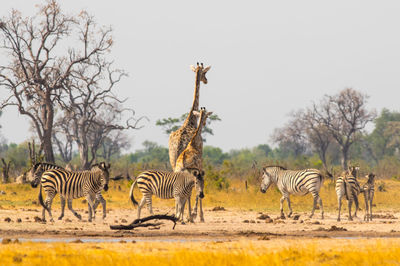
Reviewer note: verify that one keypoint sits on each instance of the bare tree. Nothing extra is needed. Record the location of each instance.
(90, 109)
(41, 61)
(292, 137)
(5, 169)
(114, 144)
(63, 142)
(344, 116)
(318, 135)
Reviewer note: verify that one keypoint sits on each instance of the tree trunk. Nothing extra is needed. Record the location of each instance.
(84, 155)
(345, 154)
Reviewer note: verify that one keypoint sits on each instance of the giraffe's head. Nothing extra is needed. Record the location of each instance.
(203, 115)
(201, 71)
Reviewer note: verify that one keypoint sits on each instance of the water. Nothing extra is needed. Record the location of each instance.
(110, 240)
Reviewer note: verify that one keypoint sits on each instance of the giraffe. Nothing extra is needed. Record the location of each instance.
(191, 158)
(179, 139)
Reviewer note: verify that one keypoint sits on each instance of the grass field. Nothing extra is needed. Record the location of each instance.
(18, 195)
(273, 252)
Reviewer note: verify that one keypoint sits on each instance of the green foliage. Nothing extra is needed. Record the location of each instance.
(214, 155)
(172, 124)
(216, 179)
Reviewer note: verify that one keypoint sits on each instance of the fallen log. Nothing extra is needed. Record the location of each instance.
(142, 222)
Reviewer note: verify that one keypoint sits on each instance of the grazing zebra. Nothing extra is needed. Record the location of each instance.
(300, 182)
(37, 171)
(348, 186)
(368, 189)
(168, 185)
(73, 185)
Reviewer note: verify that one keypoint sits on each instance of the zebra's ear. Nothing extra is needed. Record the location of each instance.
(109, 166)
(195, 173)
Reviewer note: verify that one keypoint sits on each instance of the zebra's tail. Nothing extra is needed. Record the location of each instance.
(131, 193)
(346, 193)
(41, 199)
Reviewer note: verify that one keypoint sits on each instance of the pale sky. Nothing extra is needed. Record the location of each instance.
(268, 58)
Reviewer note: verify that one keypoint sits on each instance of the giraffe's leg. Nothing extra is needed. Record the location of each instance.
(281, 207)
(349, 203)
(142, 202)
(201, 211)
(77, 215)
(62, 207)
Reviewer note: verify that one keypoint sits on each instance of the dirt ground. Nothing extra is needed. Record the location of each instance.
(219, 225)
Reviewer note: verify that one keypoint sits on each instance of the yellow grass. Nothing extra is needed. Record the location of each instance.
(273, 252)
(236, 196)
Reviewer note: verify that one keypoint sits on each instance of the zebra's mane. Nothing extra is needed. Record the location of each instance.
(36, 166)
(278, 166)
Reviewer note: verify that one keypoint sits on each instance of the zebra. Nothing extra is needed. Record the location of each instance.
(37, 171)
(168, 185)
(299, 182)
(348, 186)
(368, 189)
(72, 185)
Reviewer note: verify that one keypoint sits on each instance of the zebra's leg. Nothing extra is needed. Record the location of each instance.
(62, 207)
(371, 198)
(99, 198)
(339, 207)
(320, 205)
(201, 211)
(289, 206)
(315, 201)
(366, 218)
(149, 205)
(190, 218)
(77, 215)
(49, 199)
(282, 200)
(142, 202)
(194, 214)
(349, 203)
(90, 200)
(356, 205)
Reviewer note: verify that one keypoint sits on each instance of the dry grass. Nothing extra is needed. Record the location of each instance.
(273, 252)
(236, 196)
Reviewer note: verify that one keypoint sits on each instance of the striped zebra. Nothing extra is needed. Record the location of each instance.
(37, 171)
(73, 185)
(300, 182)
(168, 185)
(368, 189)
(347, 186)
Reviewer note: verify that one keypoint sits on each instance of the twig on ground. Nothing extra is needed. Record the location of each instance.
(142, 222)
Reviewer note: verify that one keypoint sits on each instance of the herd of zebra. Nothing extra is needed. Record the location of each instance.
(178, 185)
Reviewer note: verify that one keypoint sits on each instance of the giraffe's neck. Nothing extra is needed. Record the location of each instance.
(191, 119)
(196, 140)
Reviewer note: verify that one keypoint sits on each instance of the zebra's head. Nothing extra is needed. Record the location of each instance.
(266, 180)
(201, 70)
(370, 177)
(105, 173)
(36, 172)
(198, 181)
